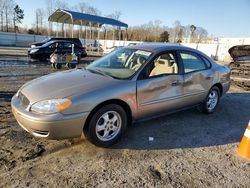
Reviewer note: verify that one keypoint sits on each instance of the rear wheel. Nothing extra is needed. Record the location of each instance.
(53, 65)
(107, 125)
(212, 100)
(58, 65)
(72, 65)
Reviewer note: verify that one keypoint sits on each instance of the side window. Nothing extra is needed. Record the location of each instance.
(60, 45)
(208, 64)
(67, 45)
(192, 62)
(52, 46)
(164, 64)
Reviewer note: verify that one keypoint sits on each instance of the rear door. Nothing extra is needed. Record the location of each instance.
(159, 87)
(197, 77)
(67, 47)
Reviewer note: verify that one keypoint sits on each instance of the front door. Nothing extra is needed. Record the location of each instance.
(159, 88)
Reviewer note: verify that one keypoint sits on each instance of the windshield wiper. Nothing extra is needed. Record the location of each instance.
(98, 72)
(103, 73)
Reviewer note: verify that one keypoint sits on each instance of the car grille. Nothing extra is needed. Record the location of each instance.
(24, 100)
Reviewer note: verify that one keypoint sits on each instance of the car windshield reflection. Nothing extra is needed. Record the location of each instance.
(120, 64)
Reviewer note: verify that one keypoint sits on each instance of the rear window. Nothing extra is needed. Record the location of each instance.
(192, 62)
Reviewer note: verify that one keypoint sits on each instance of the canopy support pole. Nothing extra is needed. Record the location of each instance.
(65, 31)
(126, 38)
(72, 28)
(86, 35)
(119, 36)
(113, 36)
(98, 36)
(105, 39)
(56, 29)
(80, 32)
(90, 37)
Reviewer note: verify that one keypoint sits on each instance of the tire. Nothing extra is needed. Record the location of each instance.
(72, 65)
(212, 100)
(53, 65)
(68, 65)
(58, 66)
(104, 120)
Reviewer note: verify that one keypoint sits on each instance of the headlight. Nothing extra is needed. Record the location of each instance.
(51, 106)
(33, 51)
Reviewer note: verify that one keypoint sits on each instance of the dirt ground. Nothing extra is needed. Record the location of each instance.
(189, 149)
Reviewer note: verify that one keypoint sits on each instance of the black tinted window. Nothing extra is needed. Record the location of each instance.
(68, 45)
(53, 45)
(192, 62)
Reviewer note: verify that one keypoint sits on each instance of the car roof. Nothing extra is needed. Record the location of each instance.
(160, 47)
(58, 38)
(156, 47)
(62, 41)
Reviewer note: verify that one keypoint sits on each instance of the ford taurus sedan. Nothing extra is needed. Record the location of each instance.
(130, 84)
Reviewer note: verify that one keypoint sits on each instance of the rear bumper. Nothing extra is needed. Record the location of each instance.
(55, 126)
(226, 87)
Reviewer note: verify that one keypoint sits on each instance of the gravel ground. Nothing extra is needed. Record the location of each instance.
(190, 149)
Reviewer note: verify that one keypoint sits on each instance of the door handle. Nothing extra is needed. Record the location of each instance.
(175, 83)
(209, 77)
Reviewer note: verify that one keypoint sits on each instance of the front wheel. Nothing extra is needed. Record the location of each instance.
(212, 100)
(107, 125)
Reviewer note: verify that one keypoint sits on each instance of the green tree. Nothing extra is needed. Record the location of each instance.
(164, 37)
(18, 16)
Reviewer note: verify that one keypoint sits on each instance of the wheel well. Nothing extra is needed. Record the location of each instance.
(121, 103)
(220, 88)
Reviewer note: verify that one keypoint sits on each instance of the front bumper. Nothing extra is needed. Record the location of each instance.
(55, 126)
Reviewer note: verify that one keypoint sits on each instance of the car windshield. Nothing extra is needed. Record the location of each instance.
(48, 43)
(46, 40)
(121, 63)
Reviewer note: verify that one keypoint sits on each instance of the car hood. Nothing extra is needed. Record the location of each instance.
(37, 43)
(37, 47)
(64, 84)
(240, 52)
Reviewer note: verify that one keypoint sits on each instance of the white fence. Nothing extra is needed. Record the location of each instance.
(215, 51)
(218, 51)
(17, 39)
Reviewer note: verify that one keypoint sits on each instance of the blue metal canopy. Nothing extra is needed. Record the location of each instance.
(77, 18)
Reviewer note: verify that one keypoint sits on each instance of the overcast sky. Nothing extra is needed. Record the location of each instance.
(221, 18)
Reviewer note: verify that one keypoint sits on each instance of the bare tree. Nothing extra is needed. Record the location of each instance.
(39, 20)
(192, 30)
(2, 13)
(62, 5)
(116, 15)
(8, 9)
(50, 6)
(81, 7)
(93, 11)
(200, 34)
(18, 16)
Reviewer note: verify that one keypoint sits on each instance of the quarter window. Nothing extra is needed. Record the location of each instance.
(192, 62)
